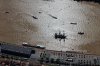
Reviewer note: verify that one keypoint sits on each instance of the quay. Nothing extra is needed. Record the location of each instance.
(43, 56)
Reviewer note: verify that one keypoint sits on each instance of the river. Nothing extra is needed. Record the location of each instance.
(36, 22)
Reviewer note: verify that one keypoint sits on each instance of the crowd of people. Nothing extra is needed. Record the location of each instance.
(7, 62)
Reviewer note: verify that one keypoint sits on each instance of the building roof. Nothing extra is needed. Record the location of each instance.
(15, 48)
(75, 52)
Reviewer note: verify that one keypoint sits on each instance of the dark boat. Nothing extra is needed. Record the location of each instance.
(81, 33)
(60, 36)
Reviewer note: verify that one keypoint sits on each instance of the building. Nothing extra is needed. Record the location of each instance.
(70, 57)
(43, 55)
(16, 50)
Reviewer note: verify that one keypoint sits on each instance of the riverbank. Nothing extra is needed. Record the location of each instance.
(96, 1)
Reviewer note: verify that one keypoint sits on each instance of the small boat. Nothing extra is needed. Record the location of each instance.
(81, 33)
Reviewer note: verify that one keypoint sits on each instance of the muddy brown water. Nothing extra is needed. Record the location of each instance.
(17, 24)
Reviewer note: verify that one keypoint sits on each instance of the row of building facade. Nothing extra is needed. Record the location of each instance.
(67, 57)
(50, 56)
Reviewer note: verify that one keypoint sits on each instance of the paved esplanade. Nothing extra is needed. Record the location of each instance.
(36, 22)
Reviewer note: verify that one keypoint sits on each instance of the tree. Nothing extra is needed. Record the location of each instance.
(52, 60)
(47, 60)
(57, 61)
(41, 60)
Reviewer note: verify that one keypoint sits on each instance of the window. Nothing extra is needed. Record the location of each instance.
(79, 56)
(61, 54)
(84, 61)
(78, 61)
(84, 56)
(64, 54)
(54, 53)
(76, 55)
(33, 51)
(87, 61)
(71, 54)
(58, 54)
(81, 61)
